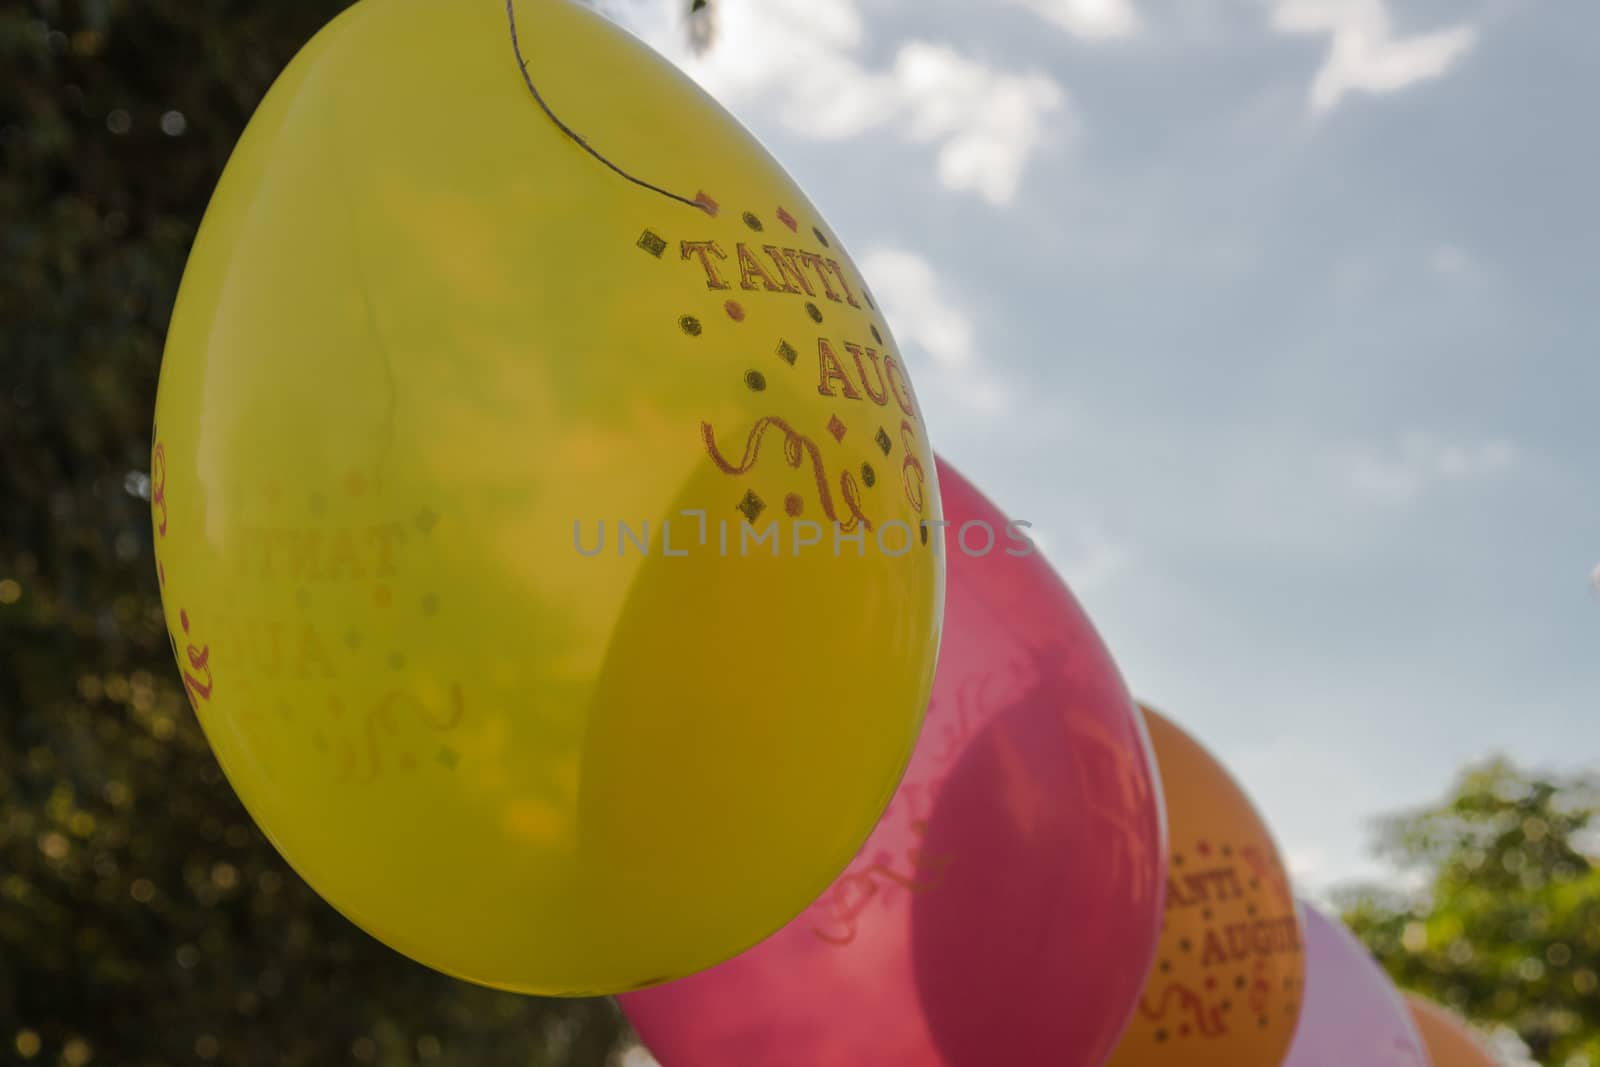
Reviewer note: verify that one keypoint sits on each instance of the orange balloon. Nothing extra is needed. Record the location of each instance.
(1226, 987)
(1450, 1041)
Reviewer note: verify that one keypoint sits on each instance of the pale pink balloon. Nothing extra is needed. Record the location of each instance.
(1006, 910)
(1352, 1013)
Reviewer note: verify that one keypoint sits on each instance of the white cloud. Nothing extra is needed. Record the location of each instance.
(1460, 266)
(1307, 864)
(1290, 779)
(1422, 461)
(987, 125)
(637, 1056)
(1090, 19)
(925, 314)
(1450, 260)
(918, 306)
(798, 60)
(1096, 560)
(1364, 54)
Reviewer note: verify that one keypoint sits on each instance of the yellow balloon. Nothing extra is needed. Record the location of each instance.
(539, 499)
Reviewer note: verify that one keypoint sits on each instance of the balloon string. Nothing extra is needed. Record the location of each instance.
(522, 64)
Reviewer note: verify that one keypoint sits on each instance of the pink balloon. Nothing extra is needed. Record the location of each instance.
(1352, 1012)
(1006, 909)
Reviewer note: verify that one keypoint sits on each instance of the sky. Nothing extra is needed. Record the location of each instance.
(1279, 320)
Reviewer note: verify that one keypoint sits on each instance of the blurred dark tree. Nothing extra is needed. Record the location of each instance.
(1504, 926)
(143, 919)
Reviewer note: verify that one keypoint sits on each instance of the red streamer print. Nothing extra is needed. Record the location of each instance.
(158, 485)
(199, 659)
(796, 448)
(1208, 1021)
(926, 873)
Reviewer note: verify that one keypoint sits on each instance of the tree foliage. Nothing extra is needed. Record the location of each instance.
(1505, 924)
(143, 918)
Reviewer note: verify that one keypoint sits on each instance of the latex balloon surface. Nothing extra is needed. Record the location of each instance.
(466, 447)
(1450, 1041)
(1352, 1013)
(1227, 983)
(1006, 910)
